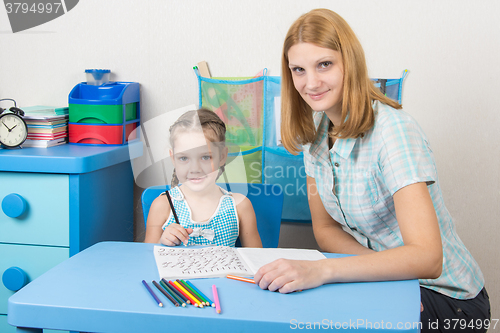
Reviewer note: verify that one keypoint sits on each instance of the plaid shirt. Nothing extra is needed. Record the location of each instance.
(357, 178)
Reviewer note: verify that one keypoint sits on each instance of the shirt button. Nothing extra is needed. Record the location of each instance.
(336, 164)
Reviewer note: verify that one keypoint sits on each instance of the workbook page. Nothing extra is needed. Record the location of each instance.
(258, 257)
(189, 263)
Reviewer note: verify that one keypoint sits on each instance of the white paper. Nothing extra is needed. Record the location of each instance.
(219, 261)
(188, 263)
(256, 257)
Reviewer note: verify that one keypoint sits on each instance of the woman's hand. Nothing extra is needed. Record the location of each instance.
(175, 234)
(290, 275)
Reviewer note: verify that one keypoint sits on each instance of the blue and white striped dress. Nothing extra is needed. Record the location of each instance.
(224, 222)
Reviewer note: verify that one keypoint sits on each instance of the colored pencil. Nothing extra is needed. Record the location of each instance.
(239, 278)
(173, 211)
(152, 293)
(172, 288)
(172, 207)
(201, 294)
(193, 292)
(193, 299)
(179, 289)
(170, 298)
(216, 299)
(179, 292)
(174, 295)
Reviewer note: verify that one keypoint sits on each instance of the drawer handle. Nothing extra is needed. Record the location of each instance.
(14, 205)
(14, 278)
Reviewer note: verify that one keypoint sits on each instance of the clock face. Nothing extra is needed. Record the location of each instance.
(13, 130)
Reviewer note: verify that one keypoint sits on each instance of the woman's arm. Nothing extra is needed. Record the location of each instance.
(329, 233)
(420, 257)
(249, 235)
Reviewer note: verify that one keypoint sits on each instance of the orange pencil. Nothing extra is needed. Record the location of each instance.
(188, 294)
(239, 278)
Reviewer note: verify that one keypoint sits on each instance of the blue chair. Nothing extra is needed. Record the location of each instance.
(266, 199)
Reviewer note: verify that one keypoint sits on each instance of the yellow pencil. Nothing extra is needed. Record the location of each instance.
(194, 300)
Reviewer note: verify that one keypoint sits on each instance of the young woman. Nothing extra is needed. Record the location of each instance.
(372, 184)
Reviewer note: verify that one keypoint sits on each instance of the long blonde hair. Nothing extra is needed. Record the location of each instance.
(325, 28)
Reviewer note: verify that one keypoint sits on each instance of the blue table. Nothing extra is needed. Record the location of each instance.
(100, 290)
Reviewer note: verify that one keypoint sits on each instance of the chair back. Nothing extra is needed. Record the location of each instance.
(266, 199)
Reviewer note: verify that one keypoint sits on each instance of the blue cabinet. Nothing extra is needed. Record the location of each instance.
(56, 202)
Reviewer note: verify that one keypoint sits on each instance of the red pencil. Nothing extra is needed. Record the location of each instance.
(188, 292)
(180, 292)
(180, 288)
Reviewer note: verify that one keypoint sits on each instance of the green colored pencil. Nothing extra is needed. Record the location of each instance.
(195, 295)
(174, 295)
(207, 300)
(167, 295)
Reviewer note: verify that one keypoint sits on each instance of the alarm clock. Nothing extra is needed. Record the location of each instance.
(13, 128)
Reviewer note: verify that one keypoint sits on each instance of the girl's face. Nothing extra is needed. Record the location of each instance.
(318, 76)
(196, 159)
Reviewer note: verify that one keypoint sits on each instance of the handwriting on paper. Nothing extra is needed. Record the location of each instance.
(200, 262)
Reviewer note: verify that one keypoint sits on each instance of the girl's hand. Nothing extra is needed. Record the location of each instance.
(290, 275)
(175, 234)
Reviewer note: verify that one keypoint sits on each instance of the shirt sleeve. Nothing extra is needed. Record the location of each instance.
(405, 156)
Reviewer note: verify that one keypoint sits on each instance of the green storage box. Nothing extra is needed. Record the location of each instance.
(101, 114)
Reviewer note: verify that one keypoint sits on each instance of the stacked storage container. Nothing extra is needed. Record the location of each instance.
(104, 114)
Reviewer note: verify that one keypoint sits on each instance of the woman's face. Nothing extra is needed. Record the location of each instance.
(318, 76)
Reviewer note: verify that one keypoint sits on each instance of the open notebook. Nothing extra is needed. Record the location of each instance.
(218, 261)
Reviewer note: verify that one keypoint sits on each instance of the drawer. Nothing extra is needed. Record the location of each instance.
(33, 260)
(45, 217)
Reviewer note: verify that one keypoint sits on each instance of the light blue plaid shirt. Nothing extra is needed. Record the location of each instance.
(357, 178)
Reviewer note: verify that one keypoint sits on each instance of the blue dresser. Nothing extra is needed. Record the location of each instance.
(57, 201)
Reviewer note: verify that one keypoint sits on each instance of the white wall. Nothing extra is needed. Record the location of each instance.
(450, 47)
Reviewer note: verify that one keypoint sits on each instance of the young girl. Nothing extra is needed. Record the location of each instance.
(208, 215)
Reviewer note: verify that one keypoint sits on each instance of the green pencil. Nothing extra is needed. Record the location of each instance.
(170, 298)
(174, 295)
(190, 290)
(207, 300)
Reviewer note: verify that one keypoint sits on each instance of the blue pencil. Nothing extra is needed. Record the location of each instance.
(201, 294)
(152, 293)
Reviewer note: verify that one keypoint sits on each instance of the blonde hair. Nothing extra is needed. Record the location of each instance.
(209, 122)
(325, 28)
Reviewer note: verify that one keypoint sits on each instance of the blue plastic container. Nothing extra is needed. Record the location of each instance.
(95, 102)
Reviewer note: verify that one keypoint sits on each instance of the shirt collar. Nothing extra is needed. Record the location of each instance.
(343, 147)
(319, 147)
